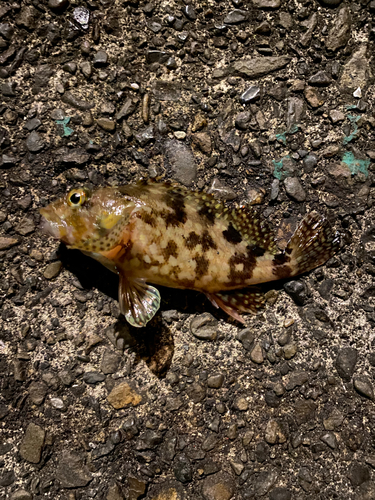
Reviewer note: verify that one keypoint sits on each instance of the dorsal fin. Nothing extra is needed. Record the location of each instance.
(253, 229)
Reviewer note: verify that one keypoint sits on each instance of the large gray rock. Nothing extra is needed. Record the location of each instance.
(258, 66)
(339, 33)
(71, 472)
(181, 161)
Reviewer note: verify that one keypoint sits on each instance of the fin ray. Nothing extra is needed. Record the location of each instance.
(138, 301)
(312, 244)
(247, 300)
(255, 230)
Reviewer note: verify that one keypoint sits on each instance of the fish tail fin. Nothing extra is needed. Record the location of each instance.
(312, 244)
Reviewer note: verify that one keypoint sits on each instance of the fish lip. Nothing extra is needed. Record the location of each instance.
(50, 228)
(52, 225)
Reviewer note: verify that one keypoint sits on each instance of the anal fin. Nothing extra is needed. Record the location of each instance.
(138, 301)
(247, 300)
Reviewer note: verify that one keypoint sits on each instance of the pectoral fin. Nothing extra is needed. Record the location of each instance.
(138, 301)
(248, 300)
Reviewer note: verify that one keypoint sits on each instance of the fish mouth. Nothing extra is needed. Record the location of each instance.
(50, 228)
(52, 225)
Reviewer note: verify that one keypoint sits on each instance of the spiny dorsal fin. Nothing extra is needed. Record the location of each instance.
(253, 229)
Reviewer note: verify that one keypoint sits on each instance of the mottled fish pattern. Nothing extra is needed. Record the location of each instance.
(167, 235)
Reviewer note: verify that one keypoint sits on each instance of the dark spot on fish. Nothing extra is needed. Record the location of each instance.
(185, 283)
(170, 250)
(170, 218)
(282, 272)
(258, 251)
(148, 218)
(207, 212)
(202, 266)
(175, 270)
(248, 260)
(232, 235)
(195, 239)
(176, 201)
(192, 240)
(207, 242)
(281, 259)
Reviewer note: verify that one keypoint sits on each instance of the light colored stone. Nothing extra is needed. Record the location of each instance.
(339, 33)
(273, 433)
(356, 72)
(259, 66)
(6, 243)
(114, 493)
(267, 4)
(256, 354)
(218, 487)
(52, 270)
(313, 97)
(123, 395)
(32, 443)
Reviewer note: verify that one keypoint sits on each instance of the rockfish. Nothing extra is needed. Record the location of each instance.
(166, 235)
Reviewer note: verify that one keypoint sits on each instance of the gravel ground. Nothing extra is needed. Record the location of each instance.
(263, 102)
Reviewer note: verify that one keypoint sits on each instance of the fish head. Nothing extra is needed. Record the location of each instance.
(89, 221)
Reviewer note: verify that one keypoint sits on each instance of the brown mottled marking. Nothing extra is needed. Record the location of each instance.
(176, 201)
(170, 250)
(185, 283)
(202, 266)
(232, 235)
(205, 240)
(148, 218)
(192, 240)
(175, 270)
(172, 218)
(282, 272)
(249, 262)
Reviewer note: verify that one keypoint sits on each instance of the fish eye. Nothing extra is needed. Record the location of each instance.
(76, 197)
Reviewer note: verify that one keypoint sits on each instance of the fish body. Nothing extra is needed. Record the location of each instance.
(166, 235)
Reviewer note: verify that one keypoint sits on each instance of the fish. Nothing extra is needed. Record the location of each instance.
(152, 233)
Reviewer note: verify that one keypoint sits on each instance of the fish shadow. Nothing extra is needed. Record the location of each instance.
(154, 343)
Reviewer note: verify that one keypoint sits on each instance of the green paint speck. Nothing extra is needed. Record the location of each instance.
(281, 137)
(355, 164)
(66, 131)
(278, 170)
(353, 120)
(293, 129)
(284, 168)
